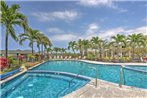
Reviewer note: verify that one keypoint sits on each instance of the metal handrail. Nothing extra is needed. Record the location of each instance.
(122, 75)
(74, 78)
(96, 77)
(121, 72)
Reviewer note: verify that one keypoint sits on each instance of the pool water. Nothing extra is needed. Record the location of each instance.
(105, 72)
(32, 85)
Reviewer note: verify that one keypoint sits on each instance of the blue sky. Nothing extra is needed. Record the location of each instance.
(64, 21)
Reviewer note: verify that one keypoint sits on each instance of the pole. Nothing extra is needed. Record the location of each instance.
(120, 84)
(96, 77)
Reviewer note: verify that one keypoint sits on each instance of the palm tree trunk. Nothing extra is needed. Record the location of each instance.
(74, 51)
(95, 54)
(42, 48)
(100, 53)
(133, 53)
(39, 49)
(6, 45)
(32, 49)
(39, 53)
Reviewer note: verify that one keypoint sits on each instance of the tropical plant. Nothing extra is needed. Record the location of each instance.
(135, 40)
(10, 60)
(56, 50)
(31, 35)
(45, 42)
(79, 47)
(3, 63)
(72, 45)
(85, 46)
(95, 43)
(10, 17)
(31, 57)
(118, 41)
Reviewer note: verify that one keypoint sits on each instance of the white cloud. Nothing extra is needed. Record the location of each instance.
(95, 31)
(64, 37)
(61, 15)
(99, 3)
(142, 30)
(96, 2)
(55, 30)
(112, 32)
(92, 28)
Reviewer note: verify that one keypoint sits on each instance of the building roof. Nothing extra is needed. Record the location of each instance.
(17, 51)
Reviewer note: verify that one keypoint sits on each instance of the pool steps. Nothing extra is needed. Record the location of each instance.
(17, 83)
(14, 86)
(59, 73)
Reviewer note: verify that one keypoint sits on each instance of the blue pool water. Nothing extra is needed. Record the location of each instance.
(105, 72)
(32, 85)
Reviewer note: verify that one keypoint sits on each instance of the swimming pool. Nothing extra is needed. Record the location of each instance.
(52, 78)
(105, 72)
(41, 85)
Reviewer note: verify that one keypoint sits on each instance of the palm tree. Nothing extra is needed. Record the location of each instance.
(38, 40)
(31, 35)
(95, 43)
(56, 50)
(49, 51)
(45, 42)
(63, 50)
(118, 41)
(10, 16)
(72, 45)
(85, 46)
(79, 47)
(102, 44)
(135, 40)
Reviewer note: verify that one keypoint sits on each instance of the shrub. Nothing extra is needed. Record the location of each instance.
(3, 63)
(31, 57)
(10, 60)
(90, 56)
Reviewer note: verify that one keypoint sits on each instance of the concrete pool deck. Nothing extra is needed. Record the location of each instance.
(106, 89)
(111, 63)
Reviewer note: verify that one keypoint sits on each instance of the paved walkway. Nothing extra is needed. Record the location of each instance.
(107, 90)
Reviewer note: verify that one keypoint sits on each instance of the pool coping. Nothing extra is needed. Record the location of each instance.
(109, 63)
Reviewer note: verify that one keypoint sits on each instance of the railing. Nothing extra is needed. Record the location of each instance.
(74, 78)
(122, 75)
(96, 77)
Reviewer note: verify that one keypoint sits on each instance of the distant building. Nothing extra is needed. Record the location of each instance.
(15, 53)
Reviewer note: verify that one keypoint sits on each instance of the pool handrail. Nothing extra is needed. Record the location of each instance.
(74, 78)
(96, 77)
